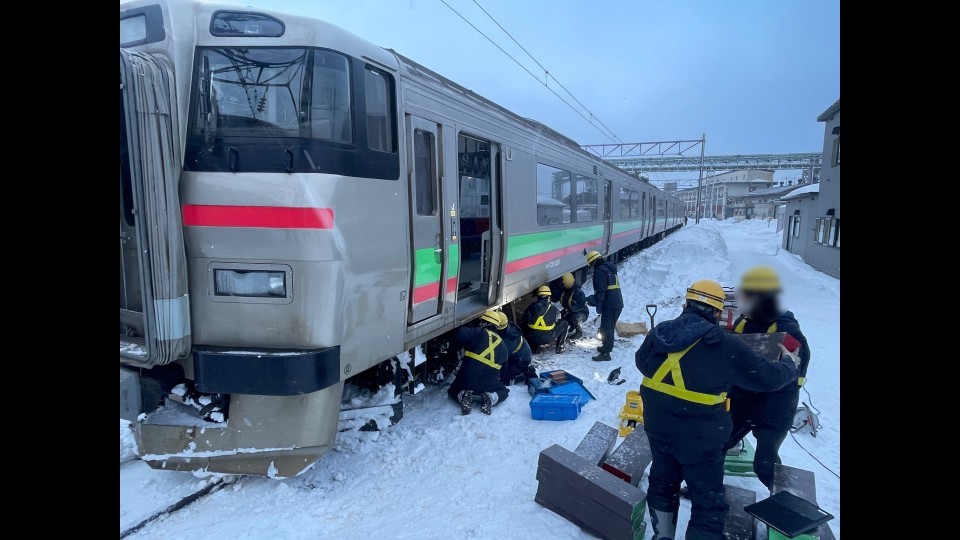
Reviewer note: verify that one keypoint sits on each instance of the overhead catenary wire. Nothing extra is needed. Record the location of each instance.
(546, 71)
(610, 135)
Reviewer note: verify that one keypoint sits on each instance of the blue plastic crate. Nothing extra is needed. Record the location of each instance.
(560, 376)
(555, 407)
(573, 388)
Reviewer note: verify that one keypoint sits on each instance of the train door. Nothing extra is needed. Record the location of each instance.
(643, 213)
(480, 223)
(428, 263)
(607, 216)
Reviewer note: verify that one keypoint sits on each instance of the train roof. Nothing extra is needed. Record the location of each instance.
(418, 70)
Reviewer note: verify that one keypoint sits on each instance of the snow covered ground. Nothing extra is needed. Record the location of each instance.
(438, 474)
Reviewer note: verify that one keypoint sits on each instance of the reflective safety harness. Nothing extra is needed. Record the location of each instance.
(743, 322)
(540, 323)
(616, 283)
(488, 355)
(566, 297)
(672, 366)
(772, 329)
(519, 346)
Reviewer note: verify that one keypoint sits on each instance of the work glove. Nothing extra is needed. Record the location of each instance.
(793, 355)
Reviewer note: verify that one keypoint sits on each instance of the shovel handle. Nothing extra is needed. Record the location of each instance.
(651, 313)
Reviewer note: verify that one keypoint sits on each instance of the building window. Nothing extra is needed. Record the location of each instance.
(796, 226)
(817, 228)
(835, 233)
(836, 152)
(553, 195)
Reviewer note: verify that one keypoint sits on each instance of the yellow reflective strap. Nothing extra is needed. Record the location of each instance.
(739, 328)
(519, 346)
(540, 323)
(616, 284)
(678, 389)
(684, 394)
(489, 354)
(773, 328)
(801, 380)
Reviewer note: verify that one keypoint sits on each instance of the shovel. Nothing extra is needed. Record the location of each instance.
(651, 314)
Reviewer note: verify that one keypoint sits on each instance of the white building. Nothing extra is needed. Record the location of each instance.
(719, 192)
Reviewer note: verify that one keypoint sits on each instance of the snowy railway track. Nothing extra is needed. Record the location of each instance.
(210, 488)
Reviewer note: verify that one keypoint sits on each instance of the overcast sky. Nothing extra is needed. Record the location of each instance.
(753, 75)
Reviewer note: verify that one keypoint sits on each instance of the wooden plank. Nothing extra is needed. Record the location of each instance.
(560, 467)
(803, 484)
(585, 513)
(597, 444)
(739, 525)
(766, 345)
(631, 458)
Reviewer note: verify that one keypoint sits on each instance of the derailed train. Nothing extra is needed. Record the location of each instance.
(298, 206)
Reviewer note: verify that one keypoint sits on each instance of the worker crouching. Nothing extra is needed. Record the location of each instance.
(542, 323)
(574, 304)
(484, 356)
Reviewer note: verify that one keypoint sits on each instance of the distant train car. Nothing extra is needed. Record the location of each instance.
(298, 206)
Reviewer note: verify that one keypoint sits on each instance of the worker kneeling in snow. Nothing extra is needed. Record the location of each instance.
(768, 414)
(517, 370)
(483, 357)
(543, 323)
(688, 366)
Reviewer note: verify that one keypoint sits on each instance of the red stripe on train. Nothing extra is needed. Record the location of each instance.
(534, 260)
(267, 217)
(627, 233)
(432, 290)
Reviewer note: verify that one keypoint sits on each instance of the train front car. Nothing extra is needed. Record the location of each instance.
(274, 141)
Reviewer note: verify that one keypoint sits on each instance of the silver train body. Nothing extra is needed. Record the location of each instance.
(315, 205)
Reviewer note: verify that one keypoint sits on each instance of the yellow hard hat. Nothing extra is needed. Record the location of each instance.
(568, 280)
(707, 291)
(503, 320)
(544, 290)
(592, 256)
(491, 317)
(760, 279)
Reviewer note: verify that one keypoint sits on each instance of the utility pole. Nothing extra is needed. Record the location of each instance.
(703, 142)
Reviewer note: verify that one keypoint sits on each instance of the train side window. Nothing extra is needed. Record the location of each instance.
(553, 195)
(587, 206)
(634, 204)
(624, 203)
(330, 107)
(424, 166)
(379, 95)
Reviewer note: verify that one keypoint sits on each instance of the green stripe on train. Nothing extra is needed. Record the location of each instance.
(527, 245)
(427, 269)
(621, 226)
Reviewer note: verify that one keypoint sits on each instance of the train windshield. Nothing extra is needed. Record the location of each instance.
(281, 92)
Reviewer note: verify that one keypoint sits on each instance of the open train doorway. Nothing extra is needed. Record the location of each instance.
(480, 225)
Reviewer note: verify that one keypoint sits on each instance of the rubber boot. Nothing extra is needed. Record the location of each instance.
(602, 357)
(562, 340)
(488, 400)
(466, 401)
(664, 524)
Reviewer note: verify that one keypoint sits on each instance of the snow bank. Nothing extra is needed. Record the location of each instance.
(128, 446)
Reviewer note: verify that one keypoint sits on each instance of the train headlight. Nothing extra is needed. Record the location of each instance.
(252, 283)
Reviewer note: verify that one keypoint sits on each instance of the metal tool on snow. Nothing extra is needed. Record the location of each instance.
(805, 418)
(614, 377)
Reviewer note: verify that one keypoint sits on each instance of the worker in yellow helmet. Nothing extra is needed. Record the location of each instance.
(542, 323)
(574, 304)
(517, 369)
(769, 415)
(484, 354)
(608, 299)
(688, 366)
